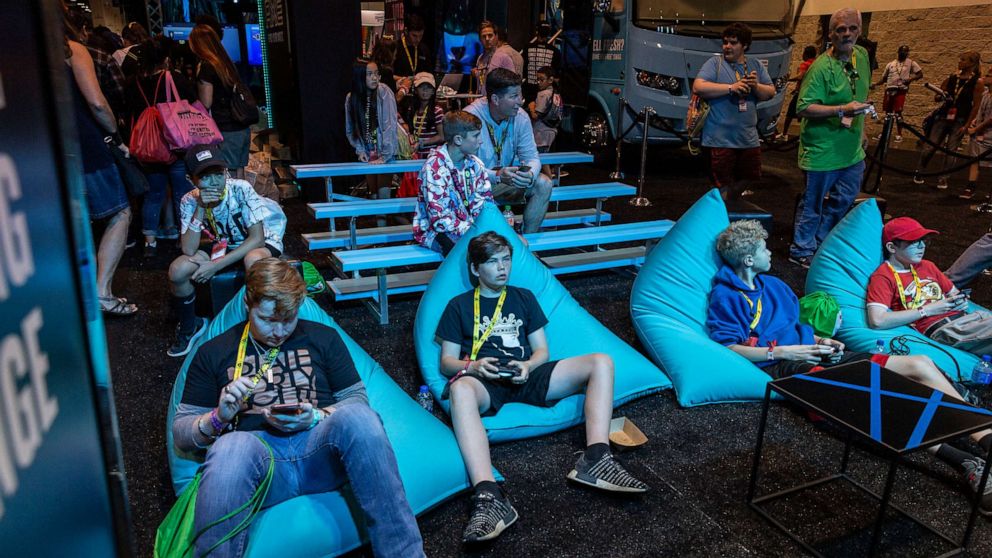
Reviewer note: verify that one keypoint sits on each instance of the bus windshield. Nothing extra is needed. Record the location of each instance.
(767, 18)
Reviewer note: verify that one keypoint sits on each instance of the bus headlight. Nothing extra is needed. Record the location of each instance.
(670, 84)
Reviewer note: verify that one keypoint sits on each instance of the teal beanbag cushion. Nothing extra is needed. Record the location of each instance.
(325, 524)
(571, 331)
(842, 266)
(668, 305)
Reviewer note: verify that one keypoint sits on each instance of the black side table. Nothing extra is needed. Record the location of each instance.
(891, 414)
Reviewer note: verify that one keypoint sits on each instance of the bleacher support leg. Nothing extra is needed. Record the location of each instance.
(383, 297)
(329, 189)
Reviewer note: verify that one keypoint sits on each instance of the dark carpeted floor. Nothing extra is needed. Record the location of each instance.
(697, 460)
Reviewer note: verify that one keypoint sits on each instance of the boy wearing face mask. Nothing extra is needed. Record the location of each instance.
(223, 221)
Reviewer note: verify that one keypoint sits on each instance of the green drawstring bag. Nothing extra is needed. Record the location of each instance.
(313, 279)
(819, 310)
(175, 537)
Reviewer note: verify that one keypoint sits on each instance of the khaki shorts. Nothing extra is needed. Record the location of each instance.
(971, 332)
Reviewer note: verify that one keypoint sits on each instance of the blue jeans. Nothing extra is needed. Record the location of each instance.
(816, 216)
(159, 178)
(348, 446)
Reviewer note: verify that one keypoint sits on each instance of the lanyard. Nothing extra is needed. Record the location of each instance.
(498, 145)
(265, 368)
(917, 296)
(464, 175)
(419, 123)
(755, 307)
(738, 68)
(851, 69)
(209, 212)
(477, 341)
(416, 55)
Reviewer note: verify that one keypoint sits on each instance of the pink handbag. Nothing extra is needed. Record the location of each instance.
(185, 124)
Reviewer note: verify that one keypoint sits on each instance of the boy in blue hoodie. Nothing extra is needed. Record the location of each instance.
(757, 317)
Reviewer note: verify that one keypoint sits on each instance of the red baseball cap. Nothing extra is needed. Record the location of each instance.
(904, 228)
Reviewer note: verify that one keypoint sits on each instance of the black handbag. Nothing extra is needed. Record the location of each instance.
(134, 180)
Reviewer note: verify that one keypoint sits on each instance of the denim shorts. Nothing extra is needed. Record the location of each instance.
(105, 194)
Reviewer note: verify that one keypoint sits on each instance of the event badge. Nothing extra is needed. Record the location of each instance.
(742, 104)
(952, 113)
(847, 121)
(219, 250)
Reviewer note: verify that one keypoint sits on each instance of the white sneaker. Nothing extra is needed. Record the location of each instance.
(898, 138)
(942, 183)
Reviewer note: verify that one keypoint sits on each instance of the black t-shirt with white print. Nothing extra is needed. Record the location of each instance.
(520, 316)
(312, 366)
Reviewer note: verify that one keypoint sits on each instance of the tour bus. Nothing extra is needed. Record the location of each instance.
(649, 51)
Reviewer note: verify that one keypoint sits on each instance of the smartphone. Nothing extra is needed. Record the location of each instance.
(966, 292)
(506, 371)
(523, 168)
(286, 409)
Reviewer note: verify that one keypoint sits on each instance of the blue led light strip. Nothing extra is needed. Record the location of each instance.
(263, 38)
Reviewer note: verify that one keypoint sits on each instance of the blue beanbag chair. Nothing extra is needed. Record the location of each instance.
(668, 305)
(571, 331)
(842, 266)
(324, 524)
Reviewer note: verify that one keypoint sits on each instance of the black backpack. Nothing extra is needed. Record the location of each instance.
(244, 110)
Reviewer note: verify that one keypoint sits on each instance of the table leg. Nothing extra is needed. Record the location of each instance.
(329, 188)
(976, 501)
(847, 455)
(757, 447)
(884, 505)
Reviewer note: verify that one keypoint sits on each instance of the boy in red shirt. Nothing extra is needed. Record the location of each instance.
(908, 290)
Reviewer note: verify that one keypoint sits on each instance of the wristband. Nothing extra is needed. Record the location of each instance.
(923, 313)
(114, 139)
(216, 423)
(199, 426)
(840, 113)
(771, 353)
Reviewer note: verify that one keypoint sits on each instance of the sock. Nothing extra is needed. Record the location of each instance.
(490, 487)
(595, 452)
(953, 456)
(186, 309)
(985, 443)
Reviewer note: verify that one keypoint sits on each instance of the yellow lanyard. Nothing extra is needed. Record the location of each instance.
(266, 367)
(498, 145)
(917, 296)
(755, 308)
(477, 341)
(742, 65)
(209, 212)
(416, 55)
(419, 123)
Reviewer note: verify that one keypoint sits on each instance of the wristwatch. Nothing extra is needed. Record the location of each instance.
(840, 113)
(771, 353)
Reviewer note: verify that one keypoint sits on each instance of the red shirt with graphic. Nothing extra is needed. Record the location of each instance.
(883, 290)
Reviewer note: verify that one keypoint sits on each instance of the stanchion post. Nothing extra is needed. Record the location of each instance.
(617, 174)
(640, 200)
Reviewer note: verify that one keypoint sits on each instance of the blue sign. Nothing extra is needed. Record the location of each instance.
(54, 487)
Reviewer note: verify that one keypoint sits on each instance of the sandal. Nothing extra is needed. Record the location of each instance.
(116, 306)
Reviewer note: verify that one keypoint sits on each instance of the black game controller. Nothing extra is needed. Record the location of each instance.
(506, 371)
(829, 357)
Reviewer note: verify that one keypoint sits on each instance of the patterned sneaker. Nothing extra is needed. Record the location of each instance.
(973, 475)
(605, 474)
(801, 261)
(184, 340)
(490, 517)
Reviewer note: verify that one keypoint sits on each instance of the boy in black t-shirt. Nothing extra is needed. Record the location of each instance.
(495, 351)
(290, 384)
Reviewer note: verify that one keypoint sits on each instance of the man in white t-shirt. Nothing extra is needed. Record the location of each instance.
(233, 224)
(897, 76)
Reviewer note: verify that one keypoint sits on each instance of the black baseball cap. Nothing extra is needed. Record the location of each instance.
(202, 157)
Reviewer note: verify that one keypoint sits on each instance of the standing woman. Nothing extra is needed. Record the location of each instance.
(384, 56)
(215, 81)
(964, 92)
(370, 122)
(147, 89)
(106, 198)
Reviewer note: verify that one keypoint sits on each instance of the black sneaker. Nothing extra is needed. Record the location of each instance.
(184, 340)
(802, 261)
(967, 194)
(973, 475)
(491, 515)
(917, 179)
(606, 474)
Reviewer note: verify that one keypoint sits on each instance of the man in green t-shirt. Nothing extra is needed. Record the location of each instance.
(832, 105)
